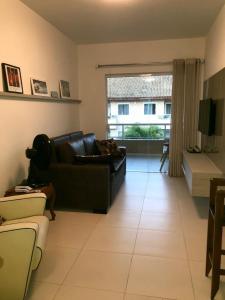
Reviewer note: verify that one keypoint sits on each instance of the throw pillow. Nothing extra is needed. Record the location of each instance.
(109, 147)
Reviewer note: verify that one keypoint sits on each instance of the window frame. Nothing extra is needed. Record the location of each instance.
(124, 105)
(153, 111)
(165, 105)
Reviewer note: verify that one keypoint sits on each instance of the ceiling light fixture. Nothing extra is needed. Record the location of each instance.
(117, 1)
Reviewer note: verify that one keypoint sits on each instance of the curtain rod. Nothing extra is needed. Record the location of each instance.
(157, 63)
(134, 65)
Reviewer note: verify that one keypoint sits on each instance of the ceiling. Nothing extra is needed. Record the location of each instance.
(101, 21)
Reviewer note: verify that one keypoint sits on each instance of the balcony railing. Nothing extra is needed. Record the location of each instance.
(150, 131)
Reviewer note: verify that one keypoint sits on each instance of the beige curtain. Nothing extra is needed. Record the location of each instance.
(185, 98)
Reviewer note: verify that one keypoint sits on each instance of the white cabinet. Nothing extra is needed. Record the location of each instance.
(198, 170)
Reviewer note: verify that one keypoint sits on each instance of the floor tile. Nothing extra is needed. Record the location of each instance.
(127, 202)
(163, 222)
(160, 277)
(162, 244)
(68, 234)
(100, 270)
(159, 205)
(55, 264)
(42, 290)
(69, 292)
(139, 297)
(169, 222)
(118, 218)
(80, 218)
(198, 226)
(196, 246)
(112, 239)
(202, 284)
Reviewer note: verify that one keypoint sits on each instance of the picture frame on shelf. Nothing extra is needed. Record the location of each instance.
(64, 87)
(39, 87)
(54, 94)
(12, 80)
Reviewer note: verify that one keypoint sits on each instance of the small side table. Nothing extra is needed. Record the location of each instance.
(48, 190)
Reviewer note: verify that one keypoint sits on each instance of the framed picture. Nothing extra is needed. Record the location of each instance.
(64, 87)
(39, 87)
(12, 80)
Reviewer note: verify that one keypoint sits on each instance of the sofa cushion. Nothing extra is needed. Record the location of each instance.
(65, 153)
(93, 158)
(90, 144)
(75, 135)
(78, 146)
(109, 147)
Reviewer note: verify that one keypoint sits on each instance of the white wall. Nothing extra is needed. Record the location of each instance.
(43, 52)
(215, 46)
(92, 81)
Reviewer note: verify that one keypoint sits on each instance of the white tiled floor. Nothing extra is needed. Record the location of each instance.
(150, 246)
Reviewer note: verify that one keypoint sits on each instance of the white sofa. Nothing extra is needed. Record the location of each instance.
(22, 241)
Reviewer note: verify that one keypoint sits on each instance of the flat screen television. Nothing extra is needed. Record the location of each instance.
(207, 116)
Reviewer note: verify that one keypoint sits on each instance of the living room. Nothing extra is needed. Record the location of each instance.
(42, 51)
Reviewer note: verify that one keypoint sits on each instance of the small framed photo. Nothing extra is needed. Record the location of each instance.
(64, 88)
(39, 87)
(12, 79)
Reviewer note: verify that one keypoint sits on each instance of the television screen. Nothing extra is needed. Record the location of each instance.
(207, 116)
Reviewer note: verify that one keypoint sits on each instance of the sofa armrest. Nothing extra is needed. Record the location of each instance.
(88, 184)
(123, 149)
(22, 206)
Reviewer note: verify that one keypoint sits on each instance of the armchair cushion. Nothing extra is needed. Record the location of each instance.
(22, 206)
(16, 255)
(41, 221)
(22, 240)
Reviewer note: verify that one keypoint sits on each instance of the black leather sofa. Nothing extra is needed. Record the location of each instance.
(83, 178)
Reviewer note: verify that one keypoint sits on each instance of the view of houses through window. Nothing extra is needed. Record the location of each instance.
(139, 106)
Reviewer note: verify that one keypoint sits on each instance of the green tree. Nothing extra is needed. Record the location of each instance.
(137, 131)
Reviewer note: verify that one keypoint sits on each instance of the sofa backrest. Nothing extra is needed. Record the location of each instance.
(64, 146)
(75, 135)
(56, 143)
(60, 151)
(90, 144)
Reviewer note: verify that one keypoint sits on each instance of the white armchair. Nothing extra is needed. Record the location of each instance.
(22, 241)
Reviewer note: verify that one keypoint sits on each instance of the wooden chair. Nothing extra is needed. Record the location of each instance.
(216, 221)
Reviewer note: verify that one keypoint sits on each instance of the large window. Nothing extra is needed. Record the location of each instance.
(139, 105)
(149, 108)
(123, 109)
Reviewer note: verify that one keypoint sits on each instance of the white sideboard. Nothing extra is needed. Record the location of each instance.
(198, 170)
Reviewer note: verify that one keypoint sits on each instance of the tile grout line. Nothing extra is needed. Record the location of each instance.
(186, 248)
(79, 254)
(128, 277)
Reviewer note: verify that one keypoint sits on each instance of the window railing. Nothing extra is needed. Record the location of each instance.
(150, 131)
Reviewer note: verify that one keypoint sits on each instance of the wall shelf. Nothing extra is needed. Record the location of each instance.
(26, 97)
